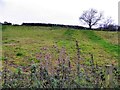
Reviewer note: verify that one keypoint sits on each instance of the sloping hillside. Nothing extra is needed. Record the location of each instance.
(21, 43)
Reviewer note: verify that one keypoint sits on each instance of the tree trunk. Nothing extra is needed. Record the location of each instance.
(90, 26)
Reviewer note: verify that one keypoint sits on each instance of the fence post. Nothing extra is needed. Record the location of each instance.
(109, 76)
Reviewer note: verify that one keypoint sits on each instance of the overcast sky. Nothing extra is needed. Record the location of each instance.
(53, 11)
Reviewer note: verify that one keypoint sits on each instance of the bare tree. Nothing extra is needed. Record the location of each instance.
(108, 21)
(91, 17)
(108, 24)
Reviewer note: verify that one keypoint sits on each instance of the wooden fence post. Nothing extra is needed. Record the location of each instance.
(109, 76)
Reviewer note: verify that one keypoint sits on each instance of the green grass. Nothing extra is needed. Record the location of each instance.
(109, 47)
(20, 43)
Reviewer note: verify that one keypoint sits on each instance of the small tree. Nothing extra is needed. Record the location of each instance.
(91, 17)
(109, 24)
(108, 21)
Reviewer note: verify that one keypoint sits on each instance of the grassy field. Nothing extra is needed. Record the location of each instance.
(49, 57)
(21, 43)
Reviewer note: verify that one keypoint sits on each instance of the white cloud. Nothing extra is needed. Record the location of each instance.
(54, 11)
